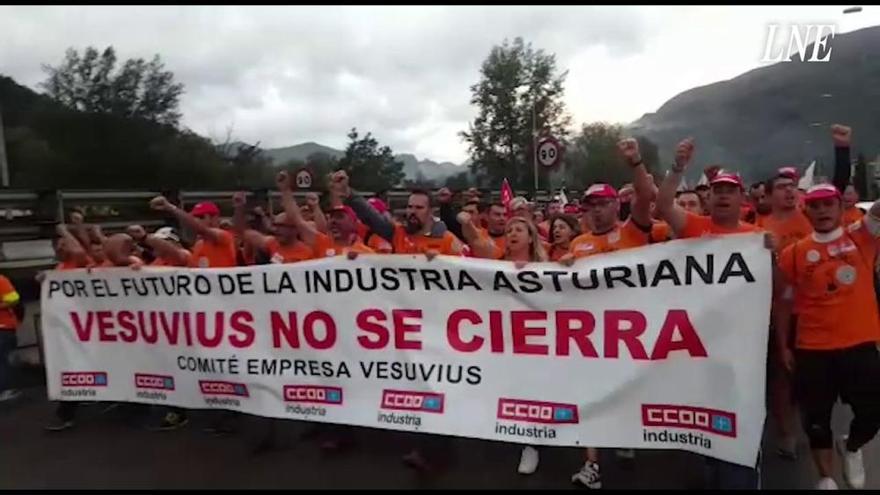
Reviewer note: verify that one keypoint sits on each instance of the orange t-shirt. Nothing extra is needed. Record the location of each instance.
(160, 261)
(298, 251)
(698, 226)
(500, 243)
(215, 254)
(660, 232)
(622, 236)
(555, 252)
(8, 320)
(852, 215)
(325, 247)
(833, 281)
(787, 230)
(374, 241)
(415, 244)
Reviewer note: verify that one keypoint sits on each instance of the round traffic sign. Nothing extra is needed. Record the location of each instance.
(303, 178)
(549, 152)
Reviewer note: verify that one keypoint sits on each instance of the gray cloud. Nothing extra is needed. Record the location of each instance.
(285, 75)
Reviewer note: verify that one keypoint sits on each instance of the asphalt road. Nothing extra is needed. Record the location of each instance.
(107, 451)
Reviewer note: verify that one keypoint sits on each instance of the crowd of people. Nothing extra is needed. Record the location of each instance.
(824, 327)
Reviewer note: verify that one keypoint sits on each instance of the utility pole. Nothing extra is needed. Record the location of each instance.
(4, 165)
(535, 142)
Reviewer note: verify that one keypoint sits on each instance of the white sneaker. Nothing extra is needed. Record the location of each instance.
(9, 394)
(853, 465)
(528, 460)
(588, 476)
(826, 484)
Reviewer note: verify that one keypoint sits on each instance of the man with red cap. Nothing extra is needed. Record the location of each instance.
(607, 233)
(342, 226)
(215, 247)
(724, 202)
(831, 274)
(601, 204)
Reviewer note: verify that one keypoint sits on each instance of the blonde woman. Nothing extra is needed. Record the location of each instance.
(523, 245)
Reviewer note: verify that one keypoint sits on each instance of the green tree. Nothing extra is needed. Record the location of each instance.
(140, 89)
(593, 156)
(519, 91)
(458, 182)
(370, 167)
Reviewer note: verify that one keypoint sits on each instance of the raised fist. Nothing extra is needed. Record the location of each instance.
(463, 218)
(282, 180)
(683, 152)
(339, 183)
(76, 218)
(629, 150)
(841, 135)
(444, 195)
(239, 199)
(711, 171)
(160, 203)
(312, 200)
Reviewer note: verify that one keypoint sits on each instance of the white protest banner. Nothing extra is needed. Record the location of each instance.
(660, 347)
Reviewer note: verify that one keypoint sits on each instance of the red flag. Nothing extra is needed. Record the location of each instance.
(506, 194)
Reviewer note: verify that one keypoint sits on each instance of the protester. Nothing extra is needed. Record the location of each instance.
(563, 228)
(787, 224)
(373, 241)
(689, 201)
(421, 232)
(832, 273)
(554, 208)
(725, 201)
(215, 247)
(9, 320)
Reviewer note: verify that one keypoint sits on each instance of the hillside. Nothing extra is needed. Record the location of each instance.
(412, 166)
(762, 119)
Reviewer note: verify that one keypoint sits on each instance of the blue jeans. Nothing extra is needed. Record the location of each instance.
(8, 343)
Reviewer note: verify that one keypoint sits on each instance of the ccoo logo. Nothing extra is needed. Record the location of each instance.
(83, 379)
(155, 382)
(209, 387)
(531, 411)
(692, 418)
(405, 400)
(313, 394)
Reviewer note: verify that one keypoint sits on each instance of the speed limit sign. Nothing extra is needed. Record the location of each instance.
(303, 178)
(549, 152)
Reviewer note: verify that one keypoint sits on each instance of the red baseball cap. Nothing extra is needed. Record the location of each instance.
(378, 205)
(821, 191)
(345, 209)
(570, 208)
(600, 191)
(788, 172)
(205, 208)
(727, 178)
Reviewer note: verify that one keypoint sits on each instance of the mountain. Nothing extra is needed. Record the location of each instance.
(761, 120)
(412, 166)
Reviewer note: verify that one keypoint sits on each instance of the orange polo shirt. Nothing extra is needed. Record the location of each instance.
(622, 236)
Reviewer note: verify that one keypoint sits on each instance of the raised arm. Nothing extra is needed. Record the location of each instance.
(642, 182)
(161, 204)
(378, 224)
(74, 247)
(239, 217)
(447, 213)
(291, 210)
(842, 137)
(482, 247)
(674, 215)
(314, 204)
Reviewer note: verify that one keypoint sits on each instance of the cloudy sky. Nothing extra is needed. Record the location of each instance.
(286, 75)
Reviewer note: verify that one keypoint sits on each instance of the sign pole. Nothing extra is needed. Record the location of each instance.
(534, 145)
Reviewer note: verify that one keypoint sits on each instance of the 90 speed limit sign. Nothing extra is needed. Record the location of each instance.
(549, 152)
(303, 178)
